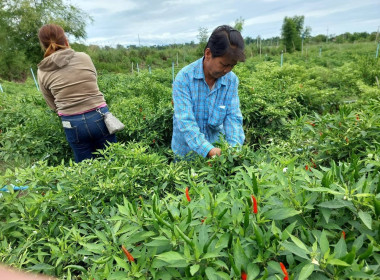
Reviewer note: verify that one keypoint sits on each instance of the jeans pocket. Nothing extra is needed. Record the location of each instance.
(72, 134)
(102, 127)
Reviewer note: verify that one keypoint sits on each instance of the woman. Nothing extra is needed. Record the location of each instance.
(69, 84)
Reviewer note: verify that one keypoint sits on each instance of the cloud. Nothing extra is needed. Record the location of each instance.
(178, 21)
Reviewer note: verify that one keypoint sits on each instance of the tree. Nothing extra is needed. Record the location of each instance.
(19, 24)
(291, 32)
(202, 37)
(239, 24)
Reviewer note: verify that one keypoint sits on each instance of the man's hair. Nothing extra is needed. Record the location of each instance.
(226, 40)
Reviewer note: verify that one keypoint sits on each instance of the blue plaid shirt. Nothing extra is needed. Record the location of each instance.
(201, 114)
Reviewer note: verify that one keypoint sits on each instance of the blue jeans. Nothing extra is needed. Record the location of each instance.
(86, 133)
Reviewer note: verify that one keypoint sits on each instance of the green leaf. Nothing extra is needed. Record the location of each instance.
(194, 269)
(223, 241)
(295, 250)
(211, 273)
(366, 218)
(337, 262)
(94, 248)
(41, 267)
(160, 241)
(247, 180)
(173, 259)
(240, 258)
(223, 275)
(122, 263)
(306, 271)
(324, 243)
(321, 190)
(76, 267)
(299, 243)
(139, 236)
(335, 204)
(281, 213)
(340, 248)
(211, 255)
(252, 271)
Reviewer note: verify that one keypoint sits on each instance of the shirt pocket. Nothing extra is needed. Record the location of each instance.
(216, 118)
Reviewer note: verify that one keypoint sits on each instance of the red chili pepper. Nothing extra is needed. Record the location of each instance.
(357, 117)
(187, 194)
(203, 220)
(344, 235)
(312, 161)
(254, 204)
(129, 256)
(283, 268)
(243, 275)
(306, 167)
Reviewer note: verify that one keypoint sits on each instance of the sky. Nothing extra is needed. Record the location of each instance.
(149, 22)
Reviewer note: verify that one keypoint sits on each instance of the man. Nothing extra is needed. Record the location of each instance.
(205, 96)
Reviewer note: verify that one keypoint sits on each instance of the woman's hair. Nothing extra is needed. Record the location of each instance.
(226, 40)
(52, 38)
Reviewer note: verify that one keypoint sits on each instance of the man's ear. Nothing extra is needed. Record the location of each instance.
(208, 54)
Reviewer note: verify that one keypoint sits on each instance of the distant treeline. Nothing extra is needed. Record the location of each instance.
(125, 59)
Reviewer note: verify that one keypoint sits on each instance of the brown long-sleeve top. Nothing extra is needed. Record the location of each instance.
(68, 81)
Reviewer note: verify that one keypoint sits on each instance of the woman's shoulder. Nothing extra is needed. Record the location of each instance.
(82, 55)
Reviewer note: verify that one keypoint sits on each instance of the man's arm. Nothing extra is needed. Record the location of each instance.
(183, 111)
(233, 124)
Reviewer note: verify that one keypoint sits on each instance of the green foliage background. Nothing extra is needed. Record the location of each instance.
(311, 160)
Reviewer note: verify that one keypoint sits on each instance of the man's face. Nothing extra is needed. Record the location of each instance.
(216, 67)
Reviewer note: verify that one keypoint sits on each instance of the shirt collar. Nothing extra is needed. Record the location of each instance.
(199, 74)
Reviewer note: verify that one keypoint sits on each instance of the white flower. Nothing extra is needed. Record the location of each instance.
(314, 261)
(34, 231)
(285, 169)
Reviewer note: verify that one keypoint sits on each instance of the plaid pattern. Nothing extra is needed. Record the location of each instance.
(201, 114)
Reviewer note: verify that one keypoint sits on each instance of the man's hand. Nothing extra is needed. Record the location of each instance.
(214, 152)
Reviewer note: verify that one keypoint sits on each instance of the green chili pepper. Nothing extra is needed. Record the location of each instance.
(205, 247)
(249, 201)
(246, 219)
(230, 241)
(367, 252)
(184, 237)
(376, 205)
(169, 213)
(234, 267)
(259, 237)
(255, 185)
(220, 216)
(189, 218)
(349, 258)
(163, 222)
(154, 203)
